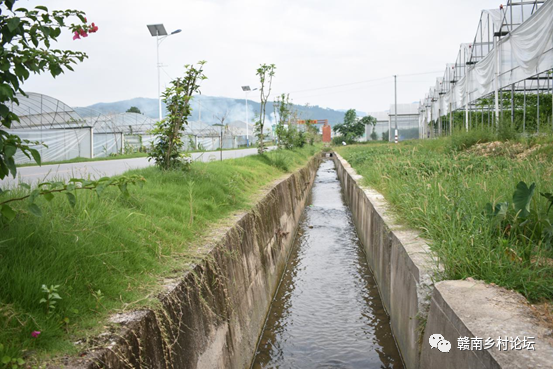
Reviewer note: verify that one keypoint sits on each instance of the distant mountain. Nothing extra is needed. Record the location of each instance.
(211, 107)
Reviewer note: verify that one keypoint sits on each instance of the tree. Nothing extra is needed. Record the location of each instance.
(282, 106)
(167, 149)
(351, 128)
(26, 38)
(26, 48)
(312, 131)
(350, 117)
(370, 120)
(266, 73)
(133, 109)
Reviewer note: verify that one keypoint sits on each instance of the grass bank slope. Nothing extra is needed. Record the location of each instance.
(111, 253)
(463, 202)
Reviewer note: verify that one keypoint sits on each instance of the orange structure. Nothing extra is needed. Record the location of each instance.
(326, 132)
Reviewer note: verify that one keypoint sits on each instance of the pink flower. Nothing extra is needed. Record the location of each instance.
(76, 35)
(93, 28)
(35, 334)
(85, 20)
(83, 33)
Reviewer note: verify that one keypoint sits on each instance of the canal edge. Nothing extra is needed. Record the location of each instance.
(212, 315)
(406, 271)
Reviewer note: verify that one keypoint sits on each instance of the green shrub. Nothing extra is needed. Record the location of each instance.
(506, 131)
(462, 140)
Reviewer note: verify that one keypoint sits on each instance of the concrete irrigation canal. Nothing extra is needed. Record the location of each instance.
(318, 274)
(327, 311)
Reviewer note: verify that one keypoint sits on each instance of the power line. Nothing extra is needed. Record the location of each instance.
(341, 91)
(342, 85)
(366, 81)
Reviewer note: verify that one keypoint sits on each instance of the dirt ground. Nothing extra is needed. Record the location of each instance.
(513, 150)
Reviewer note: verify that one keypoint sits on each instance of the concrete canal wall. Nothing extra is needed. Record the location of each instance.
(213, 315)
(418, 308)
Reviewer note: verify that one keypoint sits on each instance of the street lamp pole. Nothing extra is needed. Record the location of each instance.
(395, 105)
(157, 30)
(158, 78)
(247, 123)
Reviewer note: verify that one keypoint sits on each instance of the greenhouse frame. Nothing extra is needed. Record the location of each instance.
(60, 132)
(504, 76)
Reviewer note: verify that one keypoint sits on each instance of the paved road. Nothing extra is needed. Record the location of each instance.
(97, 169)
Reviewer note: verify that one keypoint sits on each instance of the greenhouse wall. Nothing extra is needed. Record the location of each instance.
(58, 144)
(138, 142)
(106, 144)
(381, 128)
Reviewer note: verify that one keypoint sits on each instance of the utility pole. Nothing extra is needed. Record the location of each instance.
(395, 105)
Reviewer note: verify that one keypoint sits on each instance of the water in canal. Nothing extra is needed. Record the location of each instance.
(327, 312)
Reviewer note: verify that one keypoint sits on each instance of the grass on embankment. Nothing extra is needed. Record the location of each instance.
(110, 253)
(84, 160)
(440, 189)
(124, 156)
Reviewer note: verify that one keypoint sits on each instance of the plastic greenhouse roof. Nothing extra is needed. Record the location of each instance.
(405, 109)
(40, 111)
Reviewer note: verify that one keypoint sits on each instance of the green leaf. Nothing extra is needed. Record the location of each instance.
(9, 151)
(548, 196)
(33, 208)
(8, 212)
(499, 211)
(1, 347)
(10, 163)
(20, 361)
(13, 23)
(6, 359)
(100, 189)
(40, 7)
(25, 185)
(6, 93)
(21, 72)
(124, 190)
(48, 196)
(71, 198)
(522, 197)
(33, 196)
(36, 156)
(55, 69)
(4, 110)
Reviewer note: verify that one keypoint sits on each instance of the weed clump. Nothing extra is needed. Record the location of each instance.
(487, 216)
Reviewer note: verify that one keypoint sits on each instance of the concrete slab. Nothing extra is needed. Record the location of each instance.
(477, 310)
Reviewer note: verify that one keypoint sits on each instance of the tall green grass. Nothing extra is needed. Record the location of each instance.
(436, 188)
(111, 253)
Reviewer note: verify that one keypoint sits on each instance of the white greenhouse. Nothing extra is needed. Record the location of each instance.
(503, 76)
(63, 134)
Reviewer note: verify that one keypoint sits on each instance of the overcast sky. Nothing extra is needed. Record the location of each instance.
(314, 44)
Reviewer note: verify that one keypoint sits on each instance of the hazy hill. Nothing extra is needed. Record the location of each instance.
(211, 107)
